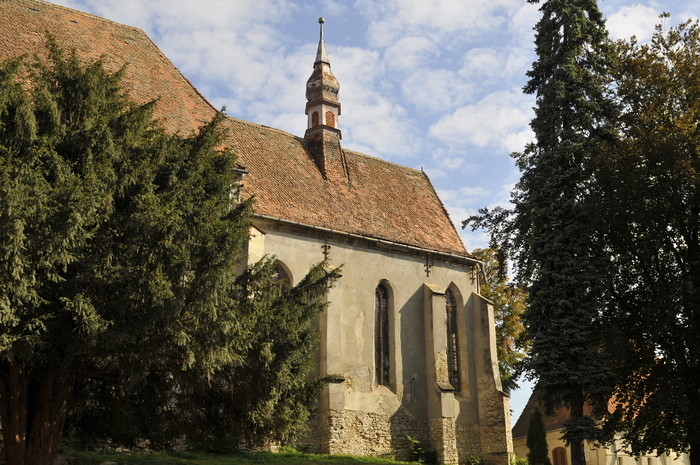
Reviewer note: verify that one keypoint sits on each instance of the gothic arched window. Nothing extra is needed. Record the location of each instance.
(452, 339)
(314, 119)
(381, 335)
(280, 279)
(330, 119)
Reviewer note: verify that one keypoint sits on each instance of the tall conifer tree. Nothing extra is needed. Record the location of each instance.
(550, 232)
(538, 451)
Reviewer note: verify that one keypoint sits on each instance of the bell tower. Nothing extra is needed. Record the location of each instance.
(323, 110)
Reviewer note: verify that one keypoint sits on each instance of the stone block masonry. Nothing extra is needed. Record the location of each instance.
(354, 432)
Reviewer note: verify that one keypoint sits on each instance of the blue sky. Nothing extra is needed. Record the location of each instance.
(432, 84)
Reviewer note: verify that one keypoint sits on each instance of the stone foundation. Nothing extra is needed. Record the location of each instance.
(365, 434)
(468, 442)
(443, 439)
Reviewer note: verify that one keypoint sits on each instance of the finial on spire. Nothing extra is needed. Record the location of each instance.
(321, 55)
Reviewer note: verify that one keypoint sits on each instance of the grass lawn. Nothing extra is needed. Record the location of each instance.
(200, 458)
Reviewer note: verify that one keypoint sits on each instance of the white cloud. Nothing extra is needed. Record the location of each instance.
(474, 240)
(381, 129)
(488, 66)
(393, 19)
(334, 7)
(465, 195)
(157, 16)
(500, 119)
(483, 60)
(409, 53)
(523, 22)
(436, 90)
(633, 20)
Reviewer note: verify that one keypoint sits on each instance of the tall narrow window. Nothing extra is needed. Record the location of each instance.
(452, 340)
(381, 336)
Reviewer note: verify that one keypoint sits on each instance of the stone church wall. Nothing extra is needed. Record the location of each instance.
(360, 417)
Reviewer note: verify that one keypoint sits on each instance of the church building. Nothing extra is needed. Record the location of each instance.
(406, 333)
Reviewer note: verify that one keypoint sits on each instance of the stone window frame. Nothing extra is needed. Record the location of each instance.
(382, 331)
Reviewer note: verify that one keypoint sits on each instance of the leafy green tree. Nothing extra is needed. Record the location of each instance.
(538, 450)
(119, 244)
(509, 302)
(650, 199)
(550, 233)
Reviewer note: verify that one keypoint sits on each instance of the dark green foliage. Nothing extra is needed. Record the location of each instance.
(538, 451)
(118, 297)
(650, 200)
(551, 231)
(262, 394)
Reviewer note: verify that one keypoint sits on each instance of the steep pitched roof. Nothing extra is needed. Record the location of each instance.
(379, 199)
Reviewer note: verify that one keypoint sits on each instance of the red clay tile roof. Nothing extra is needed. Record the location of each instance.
(380, 199)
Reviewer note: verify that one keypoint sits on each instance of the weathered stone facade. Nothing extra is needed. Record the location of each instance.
(363, 433)
(357, 416)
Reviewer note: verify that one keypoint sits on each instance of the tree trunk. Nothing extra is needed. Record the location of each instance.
(14, 389)
(33, 414)
(578, 456)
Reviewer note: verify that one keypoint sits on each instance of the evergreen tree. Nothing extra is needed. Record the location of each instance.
(119, 244)
(262, 395)
(538, 451)
(551, 233)
(650, 199)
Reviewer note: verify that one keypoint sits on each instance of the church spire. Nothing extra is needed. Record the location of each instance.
(323, 110)
(321, 54)
(322, 86)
